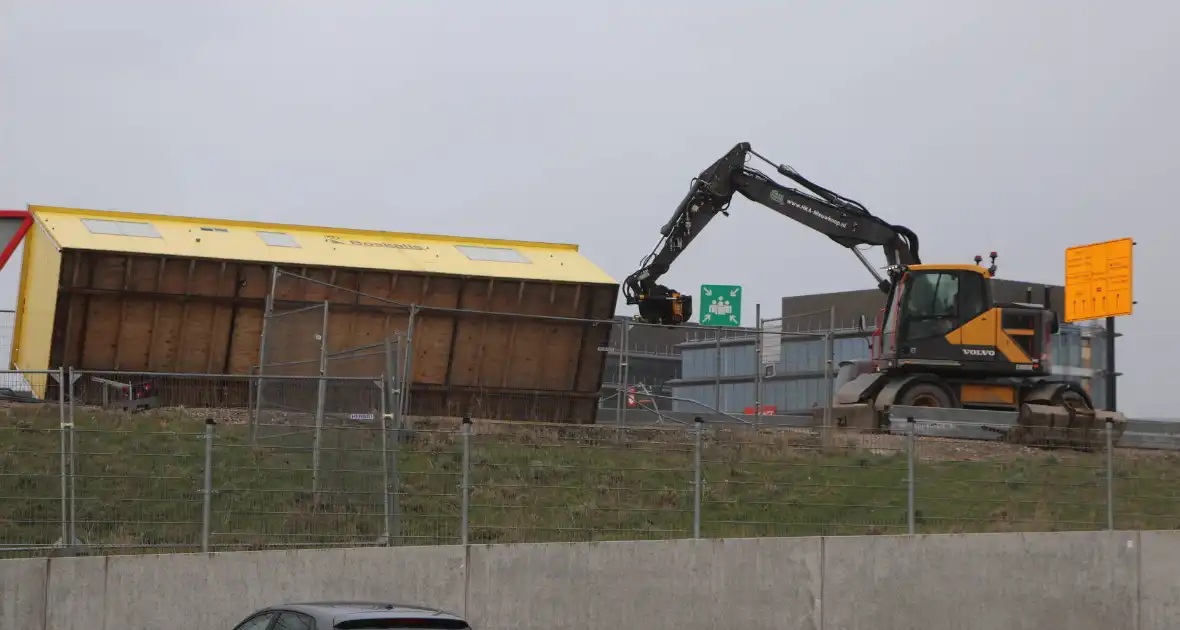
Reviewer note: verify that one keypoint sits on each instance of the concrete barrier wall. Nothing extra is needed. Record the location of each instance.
(1000, 582)
(1079, 581)
(217, 591)
(22, 593)
(1159, 581)
(748, 583)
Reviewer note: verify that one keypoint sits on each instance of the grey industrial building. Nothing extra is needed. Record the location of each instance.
(793, 363)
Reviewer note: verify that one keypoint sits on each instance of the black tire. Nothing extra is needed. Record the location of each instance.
(924, 395)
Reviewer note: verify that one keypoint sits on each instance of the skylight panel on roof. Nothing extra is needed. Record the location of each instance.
(277, 239)
(121, 228)
(492, 254)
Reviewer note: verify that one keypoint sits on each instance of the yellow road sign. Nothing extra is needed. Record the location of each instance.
(1098, 280)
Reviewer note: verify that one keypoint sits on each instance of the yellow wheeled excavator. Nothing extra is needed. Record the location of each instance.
(940, 339)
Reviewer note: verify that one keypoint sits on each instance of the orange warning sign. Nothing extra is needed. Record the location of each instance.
(1098, 280)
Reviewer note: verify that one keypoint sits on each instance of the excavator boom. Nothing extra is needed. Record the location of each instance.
(847, 222)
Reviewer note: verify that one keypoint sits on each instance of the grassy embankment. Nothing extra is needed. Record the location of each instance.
(140, 478)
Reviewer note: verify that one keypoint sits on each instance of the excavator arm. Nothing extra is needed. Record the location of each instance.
(843, 220)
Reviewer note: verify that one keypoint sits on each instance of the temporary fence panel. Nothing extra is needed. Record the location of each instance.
(168, 479)
(34, 511)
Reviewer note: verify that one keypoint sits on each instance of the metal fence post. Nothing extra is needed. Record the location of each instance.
(625, 366)
(717, 365)
(386, 420)
(407, 372)
(910, 513)
(73, 464)
(391, 387)
(267, 312)
(829, 376)
(63, 425)
(621, 380)
(696, 478)
(1109, 474)
(466, 477)
(395, 406)
(321, 394)
(757, 363)
(207, 491)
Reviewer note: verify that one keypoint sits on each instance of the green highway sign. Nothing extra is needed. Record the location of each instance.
(720, 305)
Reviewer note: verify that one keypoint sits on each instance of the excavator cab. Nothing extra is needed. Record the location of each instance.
(944, 317)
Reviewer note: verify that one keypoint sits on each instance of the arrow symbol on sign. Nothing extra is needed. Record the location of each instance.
(734, 293)
(707, 291)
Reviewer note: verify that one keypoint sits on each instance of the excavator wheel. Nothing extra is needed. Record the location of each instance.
(925, 395)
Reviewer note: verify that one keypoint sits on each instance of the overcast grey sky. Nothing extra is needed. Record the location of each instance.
(1022, 127)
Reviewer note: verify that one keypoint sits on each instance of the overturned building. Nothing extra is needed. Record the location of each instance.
(161, 294)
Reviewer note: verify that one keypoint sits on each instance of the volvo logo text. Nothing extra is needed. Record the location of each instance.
(978, 352)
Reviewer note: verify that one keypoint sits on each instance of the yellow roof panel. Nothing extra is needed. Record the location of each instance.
(165, 235)
(950, 267)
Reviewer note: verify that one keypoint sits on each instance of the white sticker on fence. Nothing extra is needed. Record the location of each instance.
(360, 416)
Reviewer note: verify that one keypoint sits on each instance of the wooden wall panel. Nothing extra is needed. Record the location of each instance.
(243, 343)
(157, 314)
(165, 339)
(469, 335)
(136, 334)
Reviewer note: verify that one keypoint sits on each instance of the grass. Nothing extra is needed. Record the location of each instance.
(139, 482)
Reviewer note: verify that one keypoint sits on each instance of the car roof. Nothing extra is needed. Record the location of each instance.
(344, 610)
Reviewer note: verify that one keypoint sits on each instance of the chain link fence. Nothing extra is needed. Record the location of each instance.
(86, 472)
(333, 409)
(294, 344)
(34, 464)
(578, 483)
(778, 373)
(295, 341)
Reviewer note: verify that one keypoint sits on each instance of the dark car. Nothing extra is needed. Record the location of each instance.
(350, 616)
